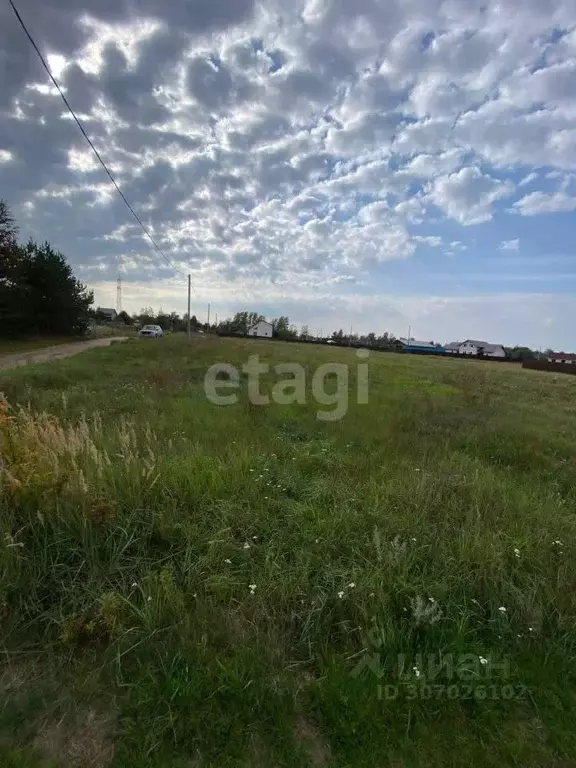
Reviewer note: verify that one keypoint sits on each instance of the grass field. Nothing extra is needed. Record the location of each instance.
(188, 586)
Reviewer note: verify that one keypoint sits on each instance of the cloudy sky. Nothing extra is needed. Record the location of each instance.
(371, 163)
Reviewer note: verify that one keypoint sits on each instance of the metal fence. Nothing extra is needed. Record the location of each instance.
(545, 365)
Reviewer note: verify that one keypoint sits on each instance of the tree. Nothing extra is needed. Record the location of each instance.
(283, 329)
(57, 303)
(520, 353)
(163, 320)
(124, 317)
(8, 228)
(39, 293)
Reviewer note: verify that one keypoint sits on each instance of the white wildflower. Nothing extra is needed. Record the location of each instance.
(416, 671)
(351, 585)
(516, 552)
(246, 545)
(252, 588)
(483, 660)
(228, 561)
(134, 584)
(341, 595)
(150, 598)
(502, 609)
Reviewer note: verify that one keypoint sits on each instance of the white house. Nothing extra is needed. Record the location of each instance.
(263, 329)
(474, 347)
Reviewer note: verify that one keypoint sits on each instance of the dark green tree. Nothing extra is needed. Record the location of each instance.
(283, 329)
(8, 228)
(56, 302)
(124, 317)
(39, 293)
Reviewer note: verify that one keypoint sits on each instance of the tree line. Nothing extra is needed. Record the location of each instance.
(241, 322)
(39, 294)
(168, 321)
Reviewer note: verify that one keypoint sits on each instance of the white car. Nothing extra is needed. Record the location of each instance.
(151, 330)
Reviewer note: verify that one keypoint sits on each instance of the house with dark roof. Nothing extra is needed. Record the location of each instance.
(107, 314)
(566, 358)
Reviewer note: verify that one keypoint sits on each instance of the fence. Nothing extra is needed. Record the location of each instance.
(544, 365)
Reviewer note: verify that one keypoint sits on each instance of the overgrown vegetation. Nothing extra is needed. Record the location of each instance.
(187, 585)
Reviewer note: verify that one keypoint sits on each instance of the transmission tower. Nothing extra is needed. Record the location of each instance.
(119, 295)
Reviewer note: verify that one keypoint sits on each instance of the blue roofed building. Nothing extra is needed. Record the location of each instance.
(422, 347)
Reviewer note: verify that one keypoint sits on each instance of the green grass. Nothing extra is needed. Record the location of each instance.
(135, 515)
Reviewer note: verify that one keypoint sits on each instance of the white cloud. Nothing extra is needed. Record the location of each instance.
(539, 202)
(528, 179)
(468, 195)
(509, 245)
(432, 241)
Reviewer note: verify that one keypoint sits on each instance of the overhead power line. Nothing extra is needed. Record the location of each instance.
(99, 158)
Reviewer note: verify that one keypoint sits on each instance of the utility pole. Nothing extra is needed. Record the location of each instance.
(119, 295)
(189, 289)
(208, 315)
(409, 332)
(350, 337)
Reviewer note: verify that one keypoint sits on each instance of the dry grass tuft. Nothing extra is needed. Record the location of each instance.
(315, 746)
(83, 741)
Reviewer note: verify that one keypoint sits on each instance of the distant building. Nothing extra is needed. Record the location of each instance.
(264, 329)
(567, 358)
(476, 348)
(426, 347)
(109, 314)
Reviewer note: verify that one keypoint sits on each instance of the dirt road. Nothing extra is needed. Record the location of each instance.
(54, 353)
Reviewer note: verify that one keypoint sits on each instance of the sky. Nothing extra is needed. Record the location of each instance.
(374, 164)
